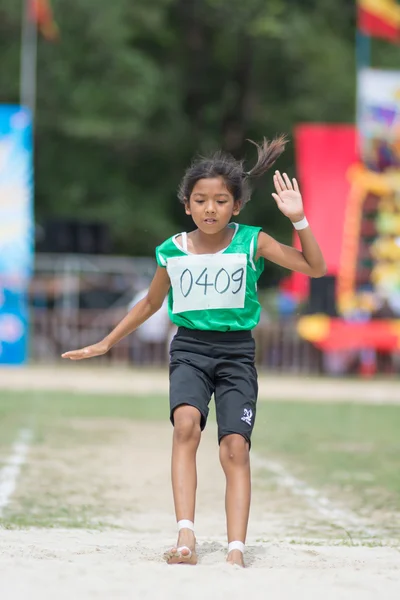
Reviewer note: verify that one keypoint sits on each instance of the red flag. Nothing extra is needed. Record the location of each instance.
(42, 14)
(379, 18)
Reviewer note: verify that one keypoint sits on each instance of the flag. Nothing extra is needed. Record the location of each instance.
(41, 13)
(379, 18)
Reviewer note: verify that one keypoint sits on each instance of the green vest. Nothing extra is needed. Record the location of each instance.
(214, 292)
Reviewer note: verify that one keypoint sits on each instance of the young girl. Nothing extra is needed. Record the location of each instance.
(211, 277)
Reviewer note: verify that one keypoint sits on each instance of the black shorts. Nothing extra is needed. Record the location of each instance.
(203, 363)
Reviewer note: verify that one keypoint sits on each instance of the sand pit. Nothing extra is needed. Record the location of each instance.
(82, 565)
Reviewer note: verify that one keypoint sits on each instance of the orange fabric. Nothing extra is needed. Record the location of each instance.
(314, 328)
(346, 278)
(42, 15)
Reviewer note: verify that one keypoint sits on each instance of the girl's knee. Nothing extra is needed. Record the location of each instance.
(187, 424)
(234, 449)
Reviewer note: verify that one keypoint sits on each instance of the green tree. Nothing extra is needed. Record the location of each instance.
(134, 89)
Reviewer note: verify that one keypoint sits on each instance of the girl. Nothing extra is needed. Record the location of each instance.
(211, 277)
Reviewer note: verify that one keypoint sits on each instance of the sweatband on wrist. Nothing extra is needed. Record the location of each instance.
(301, 224)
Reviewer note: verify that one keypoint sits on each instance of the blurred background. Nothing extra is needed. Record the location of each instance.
(102, 107)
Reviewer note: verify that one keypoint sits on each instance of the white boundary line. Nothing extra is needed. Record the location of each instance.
(10, 472)
(337, 516)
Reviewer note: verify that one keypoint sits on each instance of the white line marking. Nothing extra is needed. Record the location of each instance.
(10, 472)
(337, 516)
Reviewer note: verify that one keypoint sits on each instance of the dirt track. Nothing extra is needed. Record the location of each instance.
(95, 379)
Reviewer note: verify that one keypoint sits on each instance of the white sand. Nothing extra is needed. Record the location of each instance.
(80, 565)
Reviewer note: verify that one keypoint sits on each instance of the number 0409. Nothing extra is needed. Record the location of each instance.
(222, 282)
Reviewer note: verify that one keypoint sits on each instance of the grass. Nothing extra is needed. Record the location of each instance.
(50, 405)
(43, 410)
(51, 480)
(350, 452)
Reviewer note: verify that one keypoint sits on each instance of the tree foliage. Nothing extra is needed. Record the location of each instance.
(134, 89)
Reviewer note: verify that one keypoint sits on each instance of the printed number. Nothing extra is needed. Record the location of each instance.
(205, 284)
(189, 287)
(228, 281)
(237, 277)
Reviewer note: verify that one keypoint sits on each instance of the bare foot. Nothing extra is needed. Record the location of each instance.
(185, 550)
(235, 557)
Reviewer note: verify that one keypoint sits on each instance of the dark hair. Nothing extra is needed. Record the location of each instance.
(231, 170)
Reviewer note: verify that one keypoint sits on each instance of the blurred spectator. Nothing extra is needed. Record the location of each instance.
(385, 310)
(151, 340)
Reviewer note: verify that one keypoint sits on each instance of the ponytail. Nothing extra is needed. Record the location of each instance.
(268, 153)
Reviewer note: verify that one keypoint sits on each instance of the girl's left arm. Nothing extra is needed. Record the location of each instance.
(309, 260)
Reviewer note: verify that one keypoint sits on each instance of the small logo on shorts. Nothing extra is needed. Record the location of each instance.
(247, 416)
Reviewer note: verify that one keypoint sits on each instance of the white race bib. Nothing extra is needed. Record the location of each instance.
(207, 281)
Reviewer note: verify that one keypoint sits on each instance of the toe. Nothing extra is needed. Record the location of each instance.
(182, 555)
(170, 554)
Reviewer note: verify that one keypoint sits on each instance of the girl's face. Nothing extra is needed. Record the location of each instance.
(211, 205)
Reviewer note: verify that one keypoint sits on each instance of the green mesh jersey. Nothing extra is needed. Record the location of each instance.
(215, 292)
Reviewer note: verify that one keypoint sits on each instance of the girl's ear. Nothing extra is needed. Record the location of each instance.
(187, 207)
(236, 208)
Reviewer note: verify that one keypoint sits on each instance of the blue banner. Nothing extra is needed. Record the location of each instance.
(16, 231)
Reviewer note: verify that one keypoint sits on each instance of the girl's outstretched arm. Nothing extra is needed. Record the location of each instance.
(309, 260)
(142, 311)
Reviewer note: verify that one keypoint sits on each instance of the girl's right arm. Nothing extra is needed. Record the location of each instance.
(142, 311)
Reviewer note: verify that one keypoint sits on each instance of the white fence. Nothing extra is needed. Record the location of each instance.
(279, 348)
(76, 300)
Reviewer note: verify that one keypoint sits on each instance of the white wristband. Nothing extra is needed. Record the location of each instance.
(301, 224)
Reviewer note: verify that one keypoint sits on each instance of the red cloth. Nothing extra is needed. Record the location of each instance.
(324, 154)
(377, 334)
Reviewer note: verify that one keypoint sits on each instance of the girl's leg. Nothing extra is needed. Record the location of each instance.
(186, 440)
(235, 461)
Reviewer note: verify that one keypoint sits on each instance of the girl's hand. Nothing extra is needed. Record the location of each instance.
(288, 197)
(88, 352)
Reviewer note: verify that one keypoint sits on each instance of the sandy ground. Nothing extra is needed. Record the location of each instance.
(81, 377)
(131, 492)
(80, 565)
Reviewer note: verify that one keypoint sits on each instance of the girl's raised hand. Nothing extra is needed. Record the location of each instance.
(288, 197)
(88, 352)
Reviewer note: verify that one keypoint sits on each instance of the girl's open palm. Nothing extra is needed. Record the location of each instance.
(288, 197)
(88, 352)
